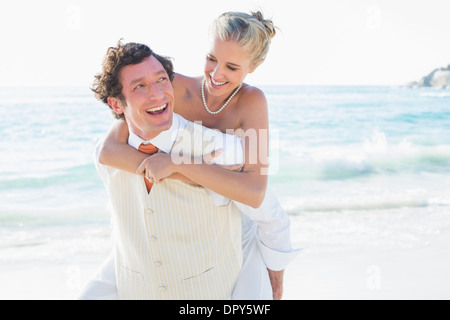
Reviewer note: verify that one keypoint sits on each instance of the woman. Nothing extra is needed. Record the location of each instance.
(220, 100)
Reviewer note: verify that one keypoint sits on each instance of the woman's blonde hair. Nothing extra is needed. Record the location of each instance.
(251, 31)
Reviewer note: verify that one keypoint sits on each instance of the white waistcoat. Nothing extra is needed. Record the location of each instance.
(173, 243)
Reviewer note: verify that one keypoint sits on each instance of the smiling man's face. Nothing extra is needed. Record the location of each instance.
(149, 98)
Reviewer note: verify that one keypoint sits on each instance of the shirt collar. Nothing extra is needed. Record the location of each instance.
(163, 141)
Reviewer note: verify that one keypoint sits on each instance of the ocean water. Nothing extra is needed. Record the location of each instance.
(362, 166)
(353, 167)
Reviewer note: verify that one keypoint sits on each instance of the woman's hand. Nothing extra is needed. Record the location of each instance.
(157, 167)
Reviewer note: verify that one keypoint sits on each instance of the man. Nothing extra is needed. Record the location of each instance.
(166, 244)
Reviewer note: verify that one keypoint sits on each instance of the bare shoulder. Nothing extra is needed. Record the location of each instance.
(253, 98)
(253, 95)
(182, 79)
(184, 84)
(253, 108)
(185, 90)
(179, 82)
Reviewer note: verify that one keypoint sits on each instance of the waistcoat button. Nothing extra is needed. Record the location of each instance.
(157, 264)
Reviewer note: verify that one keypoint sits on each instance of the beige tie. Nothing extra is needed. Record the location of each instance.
(150, 149)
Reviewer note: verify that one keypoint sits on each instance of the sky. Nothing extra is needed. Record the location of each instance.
(319, 42)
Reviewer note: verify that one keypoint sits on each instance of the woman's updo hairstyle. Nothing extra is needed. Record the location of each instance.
(251, 31)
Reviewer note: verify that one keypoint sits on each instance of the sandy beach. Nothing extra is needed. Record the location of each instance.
(373, 274)
(343, 272)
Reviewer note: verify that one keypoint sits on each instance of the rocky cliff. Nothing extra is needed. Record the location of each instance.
(438, 78)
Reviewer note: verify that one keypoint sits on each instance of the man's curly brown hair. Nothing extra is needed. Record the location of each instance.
(107, 83)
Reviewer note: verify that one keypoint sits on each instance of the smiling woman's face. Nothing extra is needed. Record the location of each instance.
(227, 65)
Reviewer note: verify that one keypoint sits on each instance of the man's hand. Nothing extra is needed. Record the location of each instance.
(276, 280)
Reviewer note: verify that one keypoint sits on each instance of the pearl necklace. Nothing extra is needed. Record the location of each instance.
(226, 103)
